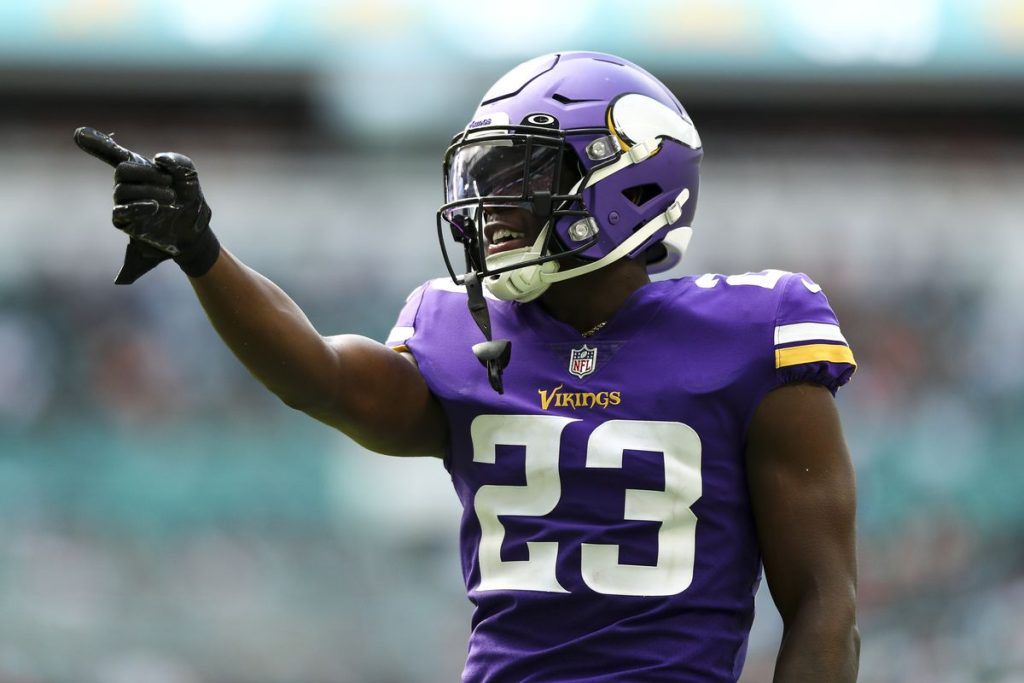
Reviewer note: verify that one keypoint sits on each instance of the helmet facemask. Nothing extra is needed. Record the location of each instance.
(497, 170)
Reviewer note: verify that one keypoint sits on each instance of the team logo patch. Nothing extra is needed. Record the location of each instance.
(582, 361)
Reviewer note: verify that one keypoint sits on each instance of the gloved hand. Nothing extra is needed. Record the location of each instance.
(159, 204)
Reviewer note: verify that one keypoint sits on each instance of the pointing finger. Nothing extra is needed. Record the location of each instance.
(103, 147)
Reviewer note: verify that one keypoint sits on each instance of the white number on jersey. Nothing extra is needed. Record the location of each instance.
(766, 280)
(540, 435)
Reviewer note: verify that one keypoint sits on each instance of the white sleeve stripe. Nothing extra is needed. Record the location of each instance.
(400, 334)
(802, 332)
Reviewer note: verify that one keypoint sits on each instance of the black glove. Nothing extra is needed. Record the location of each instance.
(159, 204)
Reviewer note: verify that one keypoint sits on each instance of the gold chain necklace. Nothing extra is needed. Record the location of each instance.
(594, 330)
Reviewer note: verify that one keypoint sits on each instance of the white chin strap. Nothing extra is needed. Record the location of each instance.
(642, 234)
(521, 284)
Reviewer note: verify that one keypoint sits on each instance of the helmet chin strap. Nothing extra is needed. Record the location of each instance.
(492, 354)
(521, 284)
(642, 234)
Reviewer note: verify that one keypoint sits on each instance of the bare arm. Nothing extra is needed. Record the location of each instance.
(361, 387)
(802, 487)
(355, 384)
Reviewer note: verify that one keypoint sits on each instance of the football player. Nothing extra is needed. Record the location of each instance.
(629, 453)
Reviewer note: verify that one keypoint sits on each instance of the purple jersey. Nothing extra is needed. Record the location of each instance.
(607, 534)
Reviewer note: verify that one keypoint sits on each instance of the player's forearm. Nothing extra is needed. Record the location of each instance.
(820, 643)
(267, 331)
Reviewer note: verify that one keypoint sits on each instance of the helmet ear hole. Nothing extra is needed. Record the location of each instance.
(641, 194)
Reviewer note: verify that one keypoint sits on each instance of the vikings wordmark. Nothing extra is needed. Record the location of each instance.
(578, 399)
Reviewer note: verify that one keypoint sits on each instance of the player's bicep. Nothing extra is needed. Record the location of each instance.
(802, 489)
(381, 400)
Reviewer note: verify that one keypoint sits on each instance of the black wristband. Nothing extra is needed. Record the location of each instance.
(200, 256)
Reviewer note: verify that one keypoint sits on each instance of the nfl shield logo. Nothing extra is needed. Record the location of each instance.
(582, 361)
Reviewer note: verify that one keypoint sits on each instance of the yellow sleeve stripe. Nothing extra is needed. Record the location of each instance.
(813, 353)
(401, 348)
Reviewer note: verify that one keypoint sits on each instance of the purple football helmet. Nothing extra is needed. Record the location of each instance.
(600, 151)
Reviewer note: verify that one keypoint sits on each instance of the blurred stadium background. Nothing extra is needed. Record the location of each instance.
(164, 520)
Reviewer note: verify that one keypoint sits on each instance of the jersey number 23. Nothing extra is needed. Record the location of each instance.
(540, 436)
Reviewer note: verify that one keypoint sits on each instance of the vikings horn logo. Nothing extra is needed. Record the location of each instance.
(582, 361)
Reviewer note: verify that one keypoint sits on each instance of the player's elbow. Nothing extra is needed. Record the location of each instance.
(831, 614)
(310, 397)
(307, 387)
(319, 405)
(821, 641)
(295, 401)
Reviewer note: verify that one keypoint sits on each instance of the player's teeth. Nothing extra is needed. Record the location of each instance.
(504, 233)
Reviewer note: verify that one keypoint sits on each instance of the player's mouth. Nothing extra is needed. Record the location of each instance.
(501, 238)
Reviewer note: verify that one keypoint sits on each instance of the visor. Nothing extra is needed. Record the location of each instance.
(502, 169)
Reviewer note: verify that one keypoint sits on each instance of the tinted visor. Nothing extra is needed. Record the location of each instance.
(502, 169)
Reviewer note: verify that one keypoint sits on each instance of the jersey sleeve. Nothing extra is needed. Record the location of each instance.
(405, 325)
(809, 345)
